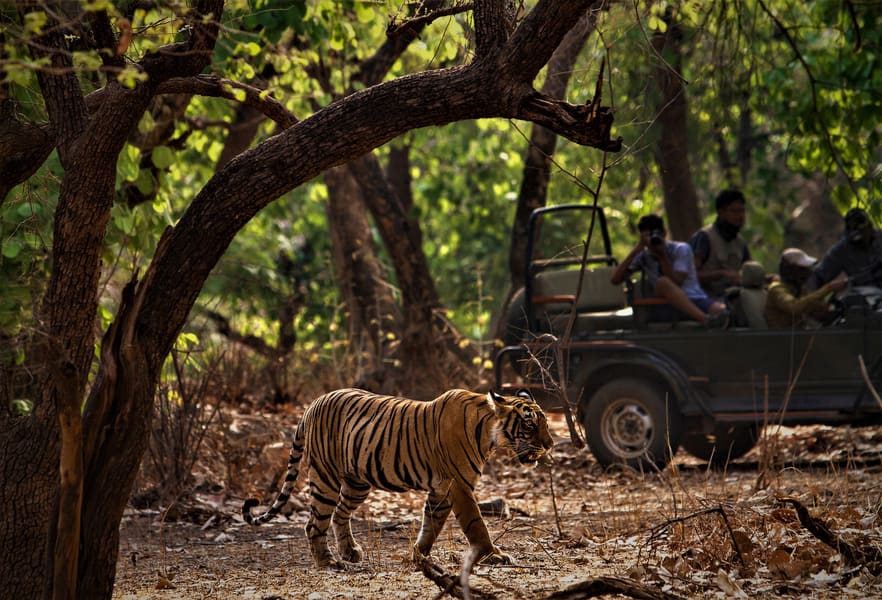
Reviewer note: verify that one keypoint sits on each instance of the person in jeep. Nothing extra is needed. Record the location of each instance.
(787, 306)
(858, 254)
(719, 248)
(669, 270)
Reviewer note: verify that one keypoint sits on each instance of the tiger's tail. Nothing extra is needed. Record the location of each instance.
(287, 488)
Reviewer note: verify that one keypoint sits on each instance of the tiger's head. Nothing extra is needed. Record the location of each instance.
(523, 425)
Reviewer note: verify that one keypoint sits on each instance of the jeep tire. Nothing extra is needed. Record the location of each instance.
(632, 421)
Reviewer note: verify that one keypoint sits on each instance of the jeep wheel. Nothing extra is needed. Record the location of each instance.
(725, 444)
(629, 421)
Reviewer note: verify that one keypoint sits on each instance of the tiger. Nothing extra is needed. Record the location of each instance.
(355, 441)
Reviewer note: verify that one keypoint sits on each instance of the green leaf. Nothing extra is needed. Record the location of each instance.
(253, 49)
(145, 183)
(128, 163)
(28, 210)
(34, 22)
(23, 406)
(162, 157)
(11, 248)
(364, 12)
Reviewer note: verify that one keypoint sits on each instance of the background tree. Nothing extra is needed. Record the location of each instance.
(70, 475)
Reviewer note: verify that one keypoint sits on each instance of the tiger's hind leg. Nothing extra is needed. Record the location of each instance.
(324, 492)
(435, 512)
(352, 495)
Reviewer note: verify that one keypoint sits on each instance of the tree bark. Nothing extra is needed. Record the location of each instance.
(371, 311)
(672, 152)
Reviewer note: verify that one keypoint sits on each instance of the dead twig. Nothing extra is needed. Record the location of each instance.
(448, 583)
(601, 586)
(714, 510)
(869, 556)
(870, 387)
(415, 24)
(554, 501)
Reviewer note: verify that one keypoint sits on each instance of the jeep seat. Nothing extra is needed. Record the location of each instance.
(600, 306)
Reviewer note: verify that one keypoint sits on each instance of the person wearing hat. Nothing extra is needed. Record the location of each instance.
(669, 269)
(858, 254)
(787, 306)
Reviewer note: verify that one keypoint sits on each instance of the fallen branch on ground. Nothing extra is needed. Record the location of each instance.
(600, 586)
(448, 583)
(870, 556)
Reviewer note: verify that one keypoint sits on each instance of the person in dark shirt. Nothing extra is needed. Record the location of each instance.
(719, 248)
(858, 254)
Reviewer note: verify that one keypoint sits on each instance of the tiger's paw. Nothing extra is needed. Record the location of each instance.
(496, 557)
(332, 564)
(417, 557)
(353, 553)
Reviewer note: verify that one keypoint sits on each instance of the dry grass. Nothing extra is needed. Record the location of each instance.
(689, 531)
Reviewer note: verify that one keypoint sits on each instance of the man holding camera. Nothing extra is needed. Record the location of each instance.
(669, 270)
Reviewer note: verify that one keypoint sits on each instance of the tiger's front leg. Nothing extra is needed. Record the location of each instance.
(472, 523)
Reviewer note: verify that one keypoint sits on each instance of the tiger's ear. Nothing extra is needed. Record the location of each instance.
(525, 393)
(495, 401)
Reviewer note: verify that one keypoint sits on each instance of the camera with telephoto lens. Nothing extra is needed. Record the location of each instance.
(656, 237)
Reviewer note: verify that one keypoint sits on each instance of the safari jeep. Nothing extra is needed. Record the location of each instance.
(644, 388)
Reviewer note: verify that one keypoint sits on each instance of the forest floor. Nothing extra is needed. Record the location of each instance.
(688, 531)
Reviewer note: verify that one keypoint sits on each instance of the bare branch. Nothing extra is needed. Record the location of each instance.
(415, 25)
(853, 555)
(538, 35)
(448, 583)
(209, 85)
(866, 376)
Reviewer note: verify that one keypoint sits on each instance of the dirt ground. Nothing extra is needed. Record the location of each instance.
(687, 531)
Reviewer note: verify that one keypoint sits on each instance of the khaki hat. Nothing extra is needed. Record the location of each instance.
(797, 258)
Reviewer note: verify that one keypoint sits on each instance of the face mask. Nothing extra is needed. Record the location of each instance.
(727, 230)
(855, 236)
(856, 225)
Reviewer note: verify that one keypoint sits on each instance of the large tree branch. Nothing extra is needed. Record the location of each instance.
(586, 124)
(372, 70)
(494, 21)
(185, 59)
(334, 135)
(528, 49)
(59, 84)
(25, 146)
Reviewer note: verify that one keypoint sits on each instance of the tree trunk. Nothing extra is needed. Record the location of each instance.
(29, 450)
(398, 175)
(370, 308)
(672, 152)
